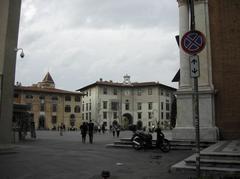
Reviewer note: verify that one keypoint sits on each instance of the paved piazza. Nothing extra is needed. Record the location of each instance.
(59, 157)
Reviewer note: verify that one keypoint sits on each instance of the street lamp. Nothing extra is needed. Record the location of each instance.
(21, 54)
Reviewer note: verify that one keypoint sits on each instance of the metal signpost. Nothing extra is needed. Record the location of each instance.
(192, 43)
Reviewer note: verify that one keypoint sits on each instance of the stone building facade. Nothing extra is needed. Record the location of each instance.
(127, 103)
(50, 106)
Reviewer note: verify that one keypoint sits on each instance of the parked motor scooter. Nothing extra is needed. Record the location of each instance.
(141, 140)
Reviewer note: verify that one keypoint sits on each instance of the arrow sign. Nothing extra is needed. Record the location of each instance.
(194, 66)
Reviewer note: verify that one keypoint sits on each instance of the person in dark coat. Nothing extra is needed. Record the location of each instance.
(90, 131)
(160, 136)
(84, 129)
(103, 128)
(118, 130)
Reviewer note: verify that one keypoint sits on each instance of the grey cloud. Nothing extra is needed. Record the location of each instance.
(79, 41)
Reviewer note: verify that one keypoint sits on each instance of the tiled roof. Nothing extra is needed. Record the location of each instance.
(44, 90)
(48, 78)
(131, 85)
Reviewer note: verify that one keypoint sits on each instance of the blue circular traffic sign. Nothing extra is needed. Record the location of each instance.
(193, 42)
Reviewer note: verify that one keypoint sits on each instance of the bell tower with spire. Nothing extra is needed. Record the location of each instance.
(47, 82)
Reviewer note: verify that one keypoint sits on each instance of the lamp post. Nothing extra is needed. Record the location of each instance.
(21, 54)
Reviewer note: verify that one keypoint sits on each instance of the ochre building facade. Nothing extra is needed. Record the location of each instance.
(50, 106)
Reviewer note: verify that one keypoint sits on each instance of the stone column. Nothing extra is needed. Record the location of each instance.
(9, 23)
(185, 126)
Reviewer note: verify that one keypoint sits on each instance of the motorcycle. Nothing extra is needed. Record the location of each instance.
(141, 140)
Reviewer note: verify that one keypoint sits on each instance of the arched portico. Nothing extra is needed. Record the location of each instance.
(127, 120)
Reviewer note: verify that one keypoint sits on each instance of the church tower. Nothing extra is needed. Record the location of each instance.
(47, 82)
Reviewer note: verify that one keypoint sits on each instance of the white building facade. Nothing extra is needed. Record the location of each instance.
(127, 103)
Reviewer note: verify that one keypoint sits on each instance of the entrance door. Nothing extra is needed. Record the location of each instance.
(41, 123)
(127, 121)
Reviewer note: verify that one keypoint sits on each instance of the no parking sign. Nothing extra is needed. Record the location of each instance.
(193, 42)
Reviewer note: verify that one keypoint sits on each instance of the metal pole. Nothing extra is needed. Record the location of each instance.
(195, 100)
(196, 118)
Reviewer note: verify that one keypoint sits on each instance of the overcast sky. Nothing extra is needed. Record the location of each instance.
(80, 41)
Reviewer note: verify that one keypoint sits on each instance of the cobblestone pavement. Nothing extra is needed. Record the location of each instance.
(59, 157)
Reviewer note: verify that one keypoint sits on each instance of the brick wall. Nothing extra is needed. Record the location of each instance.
(225, 44)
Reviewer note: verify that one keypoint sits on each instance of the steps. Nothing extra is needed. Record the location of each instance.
(175, 145)
(221, 159)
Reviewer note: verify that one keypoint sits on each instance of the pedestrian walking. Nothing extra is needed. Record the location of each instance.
(90, 131)
(113, 131)
(99, 129)
(103, 128)
(118, 130)
(84, 129)
(32, 129)
(61, 129)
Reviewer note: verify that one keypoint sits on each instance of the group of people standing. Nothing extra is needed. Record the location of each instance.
(87, 128)
(116, 129)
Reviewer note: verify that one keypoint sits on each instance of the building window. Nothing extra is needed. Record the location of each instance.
(41, 97)
(82, 116)
(72, 120)
(90, 106)
(115, 115)
(54, 98)
(162, 105)
(29, 106)
(104, 104)
(67, 98)
(86, 116)
(54, 107)
(104, 115)
(139, 92)
(127, 92)
(167, 106)
(127, 106)
(114, 106)
(77, 98)
(67, 108)
(29, 96)
(167, 115)
(54, 119)
(139, 106)
(167, 94)
(86, 106)
(42, 107)
(150, 105)
(161, 115)
(149, 91)
(16, 95)
(90, 116)
(77, 109)
(139, 114)
(115, 91)
(149, 115)
(104, 90)
(162, 92)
